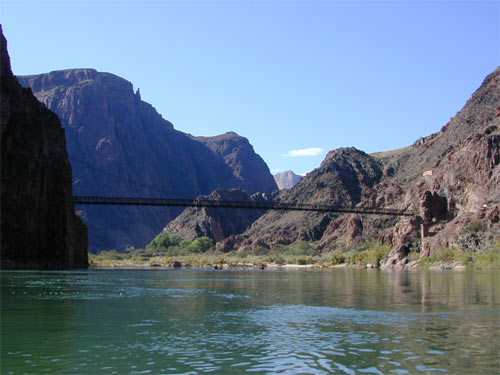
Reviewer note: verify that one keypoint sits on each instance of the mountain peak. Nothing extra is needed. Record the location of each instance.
(286, 179)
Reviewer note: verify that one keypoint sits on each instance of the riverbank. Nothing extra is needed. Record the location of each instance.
(201, 253)
(219, 263)
(207, 262)
(167, 251)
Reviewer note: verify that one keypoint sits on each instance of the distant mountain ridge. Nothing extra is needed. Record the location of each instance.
(286, 180)
(119, 145)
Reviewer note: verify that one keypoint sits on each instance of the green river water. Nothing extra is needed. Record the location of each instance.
(334, 321)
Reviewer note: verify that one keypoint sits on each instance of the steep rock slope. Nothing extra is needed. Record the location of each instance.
(286, 180)
(38, 223)
(119, 145)
(449, 180)
(343, 178)
(216, 223)
(407, 164)
(463, 189)
(248, 167)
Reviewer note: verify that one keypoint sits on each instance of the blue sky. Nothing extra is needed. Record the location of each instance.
(297, 78)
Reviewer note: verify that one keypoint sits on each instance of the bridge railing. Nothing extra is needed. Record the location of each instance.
(200, 202)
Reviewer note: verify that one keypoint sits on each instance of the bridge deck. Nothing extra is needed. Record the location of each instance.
(132, 201)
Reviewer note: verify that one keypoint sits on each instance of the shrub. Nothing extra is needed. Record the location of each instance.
(376, 254)
(219, 260)
(163, 241)
(198, 260)
(489, 258)
(357, 258)
(277, 259)
(260, 251)
(373, 254)
(200, 245)
(303, 260)
(110, 255)
(302, 248)
(137, 258)
(337, 258)
(243, 253)
(442, 255)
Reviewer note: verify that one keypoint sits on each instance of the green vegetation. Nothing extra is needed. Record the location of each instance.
(171, 245)
(199, 245)
(167, 249)
(337, 258)
(489, 258)
(163, 241)
(373, 255)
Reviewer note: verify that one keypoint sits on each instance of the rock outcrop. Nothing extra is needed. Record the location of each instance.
(38, 223)
(462, 191)
(286, 180)
(217, 223)
(344, 177)
(120, 146)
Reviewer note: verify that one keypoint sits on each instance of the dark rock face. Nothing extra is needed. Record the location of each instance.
(39, 227)
(286, 180)
(217, 223)
(120, 146)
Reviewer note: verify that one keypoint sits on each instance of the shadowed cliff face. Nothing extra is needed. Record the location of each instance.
(119, 145)
(39, 227)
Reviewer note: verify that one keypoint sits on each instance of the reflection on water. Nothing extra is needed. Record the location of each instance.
(344, 321)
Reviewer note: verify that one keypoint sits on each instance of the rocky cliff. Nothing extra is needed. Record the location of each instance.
(250, 170)
(407, 164)
(38, 223)
(120, 146)
(217, 223)
(449, 180)
(286, 180)
(343, 178)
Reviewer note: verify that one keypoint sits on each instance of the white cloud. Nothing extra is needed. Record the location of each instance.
(311, 151)
(277, 170)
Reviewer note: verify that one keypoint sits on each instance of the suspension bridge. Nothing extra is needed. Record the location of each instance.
(199, 202)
